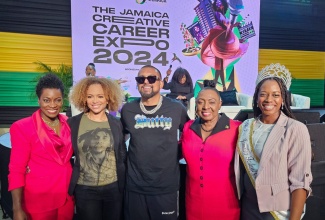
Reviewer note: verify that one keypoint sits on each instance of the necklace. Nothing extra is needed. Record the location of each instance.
(53, 124)
(207, 130)
(152, 111)
(96, 120)
(213, 126)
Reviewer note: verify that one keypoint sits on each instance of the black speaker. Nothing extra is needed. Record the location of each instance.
(6, 200)
(244, 114)
(316, 202)
(306, 116)
(317, 138)
(10, 114)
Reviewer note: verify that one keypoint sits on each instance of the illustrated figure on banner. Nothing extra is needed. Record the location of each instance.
(221, 44)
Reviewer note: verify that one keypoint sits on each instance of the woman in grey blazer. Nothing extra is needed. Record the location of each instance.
(273, 157)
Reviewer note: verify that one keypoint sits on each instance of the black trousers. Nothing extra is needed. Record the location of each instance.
(150, 207)
(181, 198)
(99, 202)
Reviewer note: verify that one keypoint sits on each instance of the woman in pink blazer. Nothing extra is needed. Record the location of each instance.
(273, 157)
(39, 168)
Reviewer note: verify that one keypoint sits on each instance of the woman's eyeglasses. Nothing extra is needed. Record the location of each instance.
(151, 79)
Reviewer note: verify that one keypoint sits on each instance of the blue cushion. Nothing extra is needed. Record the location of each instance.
(229, 97)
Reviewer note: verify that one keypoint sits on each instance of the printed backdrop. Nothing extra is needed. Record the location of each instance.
(212, 39)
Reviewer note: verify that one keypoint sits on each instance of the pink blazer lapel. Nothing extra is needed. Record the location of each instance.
(44, 138)
(66, 136)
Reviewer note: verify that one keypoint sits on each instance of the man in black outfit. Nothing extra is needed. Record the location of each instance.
(153, 170)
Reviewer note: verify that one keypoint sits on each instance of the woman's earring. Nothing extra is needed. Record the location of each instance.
(282, 106)
(196, 115)
(86, 107)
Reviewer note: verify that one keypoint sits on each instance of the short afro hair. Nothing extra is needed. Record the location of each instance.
(49, 81)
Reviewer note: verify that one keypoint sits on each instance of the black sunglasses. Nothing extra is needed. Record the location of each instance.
(151, 79)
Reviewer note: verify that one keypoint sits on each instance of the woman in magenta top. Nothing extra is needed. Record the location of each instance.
(39, 168)
(208, 146)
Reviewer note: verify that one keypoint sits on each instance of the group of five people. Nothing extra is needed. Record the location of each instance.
(264, 162)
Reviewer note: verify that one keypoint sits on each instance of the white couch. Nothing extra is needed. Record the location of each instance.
(244, 102)
(300, 101)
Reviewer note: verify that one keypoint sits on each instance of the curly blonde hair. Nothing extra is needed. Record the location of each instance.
(112, 92)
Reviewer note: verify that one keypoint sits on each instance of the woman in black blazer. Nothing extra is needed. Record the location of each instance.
(98, 176)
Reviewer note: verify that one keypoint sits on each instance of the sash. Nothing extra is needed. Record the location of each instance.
(251, 161)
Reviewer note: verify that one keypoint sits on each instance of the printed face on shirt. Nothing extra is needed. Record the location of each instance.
(50, 103)
(146, 89)
(96, 100)
(100, 142)
(269, 99)
(208, 104)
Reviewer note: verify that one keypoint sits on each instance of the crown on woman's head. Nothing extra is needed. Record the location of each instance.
(275, 70)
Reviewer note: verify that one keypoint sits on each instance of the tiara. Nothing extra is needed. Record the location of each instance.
(275, 70)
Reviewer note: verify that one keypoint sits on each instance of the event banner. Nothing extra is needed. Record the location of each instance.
(212, 39)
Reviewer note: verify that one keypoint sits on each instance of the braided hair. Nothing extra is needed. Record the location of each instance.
(284, 94)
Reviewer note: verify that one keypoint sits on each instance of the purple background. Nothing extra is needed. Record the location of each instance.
(181, 11)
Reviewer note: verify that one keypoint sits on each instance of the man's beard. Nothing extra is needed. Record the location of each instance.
(148, 95)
